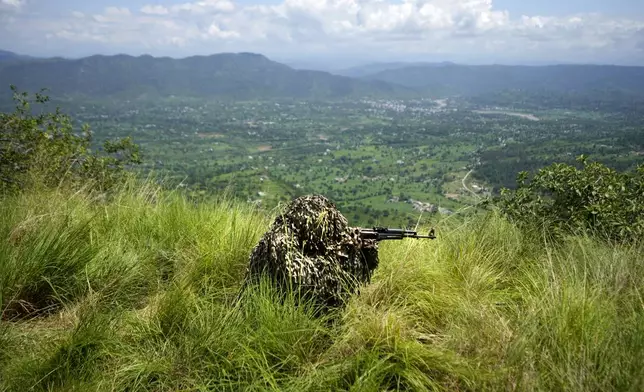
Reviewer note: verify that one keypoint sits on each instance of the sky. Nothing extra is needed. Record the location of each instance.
(340, 32)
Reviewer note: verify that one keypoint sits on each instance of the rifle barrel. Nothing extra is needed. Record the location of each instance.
(383, 233)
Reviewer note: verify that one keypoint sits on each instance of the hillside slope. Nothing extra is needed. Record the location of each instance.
(137, 293)
(226, 75)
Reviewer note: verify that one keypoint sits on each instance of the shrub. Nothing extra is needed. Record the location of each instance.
(43, 148)
(564, 198)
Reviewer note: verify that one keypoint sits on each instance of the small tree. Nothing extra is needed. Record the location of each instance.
(45, 147)
(594, 198)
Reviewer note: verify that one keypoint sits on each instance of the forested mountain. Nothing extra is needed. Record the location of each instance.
(367, 70)
(226, 75)
(5, 55)
(451, 79)
(248, 76)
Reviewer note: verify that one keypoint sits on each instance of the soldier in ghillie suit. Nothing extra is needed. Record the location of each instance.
(311, 248)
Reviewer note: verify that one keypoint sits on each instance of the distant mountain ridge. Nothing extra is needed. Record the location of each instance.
(375, 68)
(249, 76)
(6, 55)
(224, 75)
(454, 79)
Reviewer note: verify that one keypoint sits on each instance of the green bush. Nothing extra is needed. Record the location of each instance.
(44, 149)
(595, 199)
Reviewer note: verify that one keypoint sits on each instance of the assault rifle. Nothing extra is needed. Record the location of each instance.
(384, 233)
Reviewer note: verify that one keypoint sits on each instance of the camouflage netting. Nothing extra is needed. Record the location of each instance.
(310, 247)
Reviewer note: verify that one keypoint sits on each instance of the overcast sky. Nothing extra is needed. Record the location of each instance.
(350, 31)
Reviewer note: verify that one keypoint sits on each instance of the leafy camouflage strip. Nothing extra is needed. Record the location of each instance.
(310, 247)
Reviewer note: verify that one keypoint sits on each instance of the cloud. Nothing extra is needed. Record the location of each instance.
(154, 10)
(11, 4)
(204, 7)
(117, 12)
(215, 31)
(359, 27)
(10, 7)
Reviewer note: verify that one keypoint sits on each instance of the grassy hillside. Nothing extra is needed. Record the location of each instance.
(136, 292)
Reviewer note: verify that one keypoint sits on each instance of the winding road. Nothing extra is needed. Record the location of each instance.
(465, 186)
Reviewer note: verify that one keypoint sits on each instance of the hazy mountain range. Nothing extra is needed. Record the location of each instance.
(5, 55)
(367, 70)
(449, 79)
(253, 76)
(235, 76)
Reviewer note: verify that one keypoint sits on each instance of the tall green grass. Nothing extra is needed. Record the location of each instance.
(137, 292)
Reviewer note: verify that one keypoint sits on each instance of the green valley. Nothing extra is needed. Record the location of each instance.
(382, 161)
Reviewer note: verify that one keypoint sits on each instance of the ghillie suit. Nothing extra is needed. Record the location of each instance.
(311, 248)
